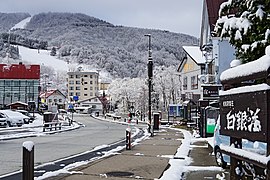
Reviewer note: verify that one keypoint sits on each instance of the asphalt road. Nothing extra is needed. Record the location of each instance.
(49, 148)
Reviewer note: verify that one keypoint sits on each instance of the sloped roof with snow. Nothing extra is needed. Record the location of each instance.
(51, 92)
(213, 8)
(195, 53)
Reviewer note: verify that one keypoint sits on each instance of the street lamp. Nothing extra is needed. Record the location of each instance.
(150, 77)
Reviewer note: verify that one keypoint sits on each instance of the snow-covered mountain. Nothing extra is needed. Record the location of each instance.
(122, 51)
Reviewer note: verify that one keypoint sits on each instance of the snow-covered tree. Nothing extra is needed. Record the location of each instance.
(166, 83)
(126, 91)
(247, 25)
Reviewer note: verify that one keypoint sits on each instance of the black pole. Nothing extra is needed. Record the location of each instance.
(150, 77)
(28, 161)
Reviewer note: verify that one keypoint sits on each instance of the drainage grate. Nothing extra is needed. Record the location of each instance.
(119, 174)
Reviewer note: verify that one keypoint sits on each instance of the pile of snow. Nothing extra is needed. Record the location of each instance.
(28, 145)
(260, 65)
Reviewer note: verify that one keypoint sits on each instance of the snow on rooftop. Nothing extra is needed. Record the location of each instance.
(260, 65)
(245, 89)
(195, 53)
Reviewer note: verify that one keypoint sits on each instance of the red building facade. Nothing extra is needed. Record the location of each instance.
(18, 82)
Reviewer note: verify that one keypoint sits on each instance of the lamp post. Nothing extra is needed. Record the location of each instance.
(150, 78)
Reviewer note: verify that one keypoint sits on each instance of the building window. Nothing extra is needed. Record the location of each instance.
(91, 76)
(78, 93)
(30, 83)
(85, 89)
(85, 82)
(78, 88)
(85, 75)
(55, 100)
(91, 82)
(8, 94)
(85, 94)
(185, 81)
(60, 100)
(91, 94)
(71, 82)
(16, 83)
(78, 76)
(71, 88)
(7, 83)
(50, 100)
(71, 94)
(71, 76)
(91, 88)
(194, 82)
(78, 82)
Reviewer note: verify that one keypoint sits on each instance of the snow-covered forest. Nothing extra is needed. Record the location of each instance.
(122, 51)
(118, 51)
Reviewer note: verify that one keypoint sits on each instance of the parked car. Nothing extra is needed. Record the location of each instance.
(3, 120)
(26, 113)
(223, 160)
(15, 118)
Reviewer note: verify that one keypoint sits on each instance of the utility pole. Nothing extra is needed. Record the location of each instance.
(150, 78)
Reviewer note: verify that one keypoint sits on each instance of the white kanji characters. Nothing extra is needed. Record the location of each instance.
(230, 121)
(244, 120)
(255, 125)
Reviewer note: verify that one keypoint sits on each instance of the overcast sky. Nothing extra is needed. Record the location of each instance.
(181, 16)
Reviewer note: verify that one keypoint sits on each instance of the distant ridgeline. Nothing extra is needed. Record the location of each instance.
(79, 38)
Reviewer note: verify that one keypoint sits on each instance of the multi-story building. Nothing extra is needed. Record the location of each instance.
(19, 82)
(82, 85)
(190, 69)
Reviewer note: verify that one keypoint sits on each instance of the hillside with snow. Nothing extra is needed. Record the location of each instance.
(79, 38)
(43, 58)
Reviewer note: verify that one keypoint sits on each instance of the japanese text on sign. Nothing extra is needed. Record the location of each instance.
(244, 120)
